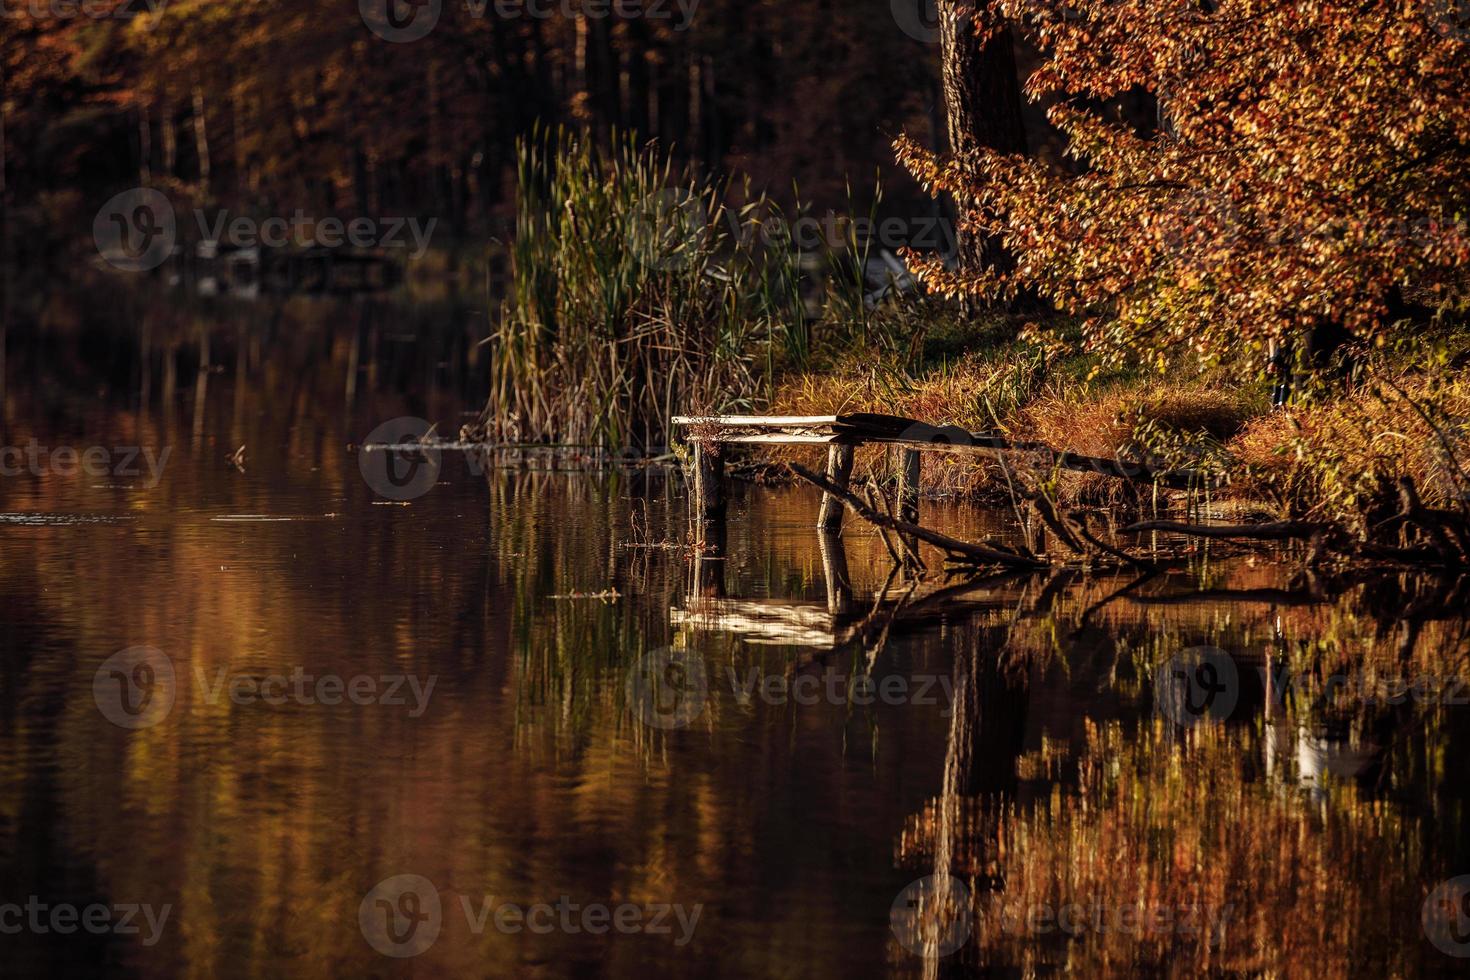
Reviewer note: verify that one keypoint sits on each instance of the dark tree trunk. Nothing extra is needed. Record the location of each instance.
(982, 101)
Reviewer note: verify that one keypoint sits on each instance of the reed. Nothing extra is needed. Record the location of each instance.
(638, 293)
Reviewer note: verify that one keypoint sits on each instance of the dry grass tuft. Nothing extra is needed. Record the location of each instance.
(1327, 458)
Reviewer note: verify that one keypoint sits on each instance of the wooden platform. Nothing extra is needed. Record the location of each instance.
(905, 436)
(854, 429)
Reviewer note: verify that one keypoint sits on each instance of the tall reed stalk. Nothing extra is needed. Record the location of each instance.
(638, 294)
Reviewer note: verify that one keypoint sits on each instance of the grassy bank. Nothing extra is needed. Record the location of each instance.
(642, 292)
(1328, 454)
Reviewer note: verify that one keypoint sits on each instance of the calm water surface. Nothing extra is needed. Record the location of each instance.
(528, 645)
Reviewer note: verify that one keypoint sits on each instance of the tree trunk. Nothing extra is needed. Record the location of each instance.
(982, 100)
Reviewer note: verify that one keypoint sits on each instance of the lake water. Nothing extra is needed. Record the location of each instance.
(257, 718)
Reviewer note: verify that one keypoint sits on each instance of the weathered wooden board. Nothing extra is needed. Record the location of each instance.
(863, 428)
(871, 422)
(796, 624)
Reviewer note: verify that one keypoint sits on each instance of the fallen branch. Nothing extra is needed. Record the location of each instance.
(1279, 531)
(1079, 521)
(972, 552)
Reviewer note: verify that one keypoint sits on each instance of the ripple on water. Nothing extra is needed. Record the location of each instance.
(62, 520)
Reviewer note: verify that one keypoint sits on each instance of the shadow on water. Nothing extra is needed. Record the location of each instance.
(1217, 770)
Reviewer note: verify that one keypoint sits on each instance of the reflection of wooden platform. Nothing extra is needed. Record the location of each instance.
(843, 620)
(763, 621)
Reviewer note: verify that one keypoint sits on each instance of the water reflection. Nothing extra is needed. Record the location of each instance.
(1301, 835)
(856, 732)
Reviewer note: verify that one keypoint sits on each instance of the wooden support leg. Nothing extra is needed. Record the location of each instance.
(834, 569)
(709, 561)
(709, 491)
(906, 474)
(839, 471)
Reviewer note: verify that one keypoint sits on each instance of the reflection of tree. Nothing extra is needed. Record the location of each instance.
(1280, 831)
(1179, 823)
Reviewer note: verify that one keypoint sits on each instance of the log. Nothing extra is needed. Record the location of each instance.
(1279, 531)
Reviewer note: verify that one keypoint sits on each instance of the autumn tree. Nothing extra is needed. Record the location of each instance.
(1311, 164)
(982, 105)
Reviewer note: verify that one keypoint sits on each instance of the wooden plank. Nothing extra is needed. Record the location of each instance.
(869, 422)
(756, 421)
(782, 438)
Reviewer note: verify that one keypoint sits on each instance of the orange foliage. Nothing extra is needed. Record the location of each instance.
(1309, 158)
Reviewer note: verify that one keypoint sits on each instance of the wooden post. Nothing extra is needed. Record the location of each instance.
(709, 561)
(709, 493)
(839, 471)
(906, 478)
(834, 570)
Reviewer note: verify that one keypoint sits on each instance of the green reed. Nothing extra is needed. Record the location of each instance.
(638, 293)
